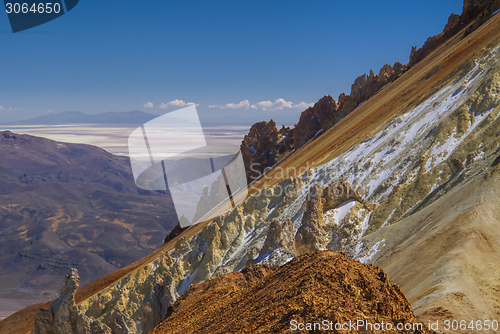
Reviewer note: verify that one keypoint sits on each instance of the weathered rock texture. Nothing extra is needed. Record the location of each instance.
(336, 194)
(119, 323)
(279, 236)
(263, 146)
(326, 112)
(176, 231)
(315, 286)
(160, 295)
(63, 317)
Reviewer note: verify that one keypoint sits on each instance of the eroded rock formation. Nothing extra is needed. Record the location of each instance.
(314, 119)
(263, 146)
(160, 295)
(336, 194)
(312, 235)
(63, 317)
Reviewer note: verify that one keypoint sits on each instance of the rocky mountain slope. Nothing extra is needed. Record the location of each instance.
(407, 181)
(265, 145)
(320, 287)
(66, 205)
(327, 112)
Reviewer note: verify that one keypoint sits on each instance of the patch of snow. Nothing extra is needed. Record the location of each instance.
(357, 249)
(479, 156)
(371, 253)
(364, 224)
(444, 150)
(338, 214)
(388, 218)
(188, 279)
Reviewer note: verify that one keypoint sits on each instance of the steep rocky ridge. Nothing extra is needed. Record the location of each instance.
(418, 146)
(265, 145)
(327, 112)
(474, 13)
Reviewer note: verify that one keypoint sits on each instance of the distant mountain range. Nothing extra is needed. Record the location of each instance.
(76, 117)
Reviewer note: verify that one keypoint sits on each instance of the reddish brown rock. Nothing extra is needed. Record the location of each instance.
(263, 146)
(312, 287)
(314, 119)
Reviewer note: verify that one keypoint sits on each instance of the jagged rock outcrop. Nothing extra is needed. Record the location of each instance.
(263, 146)
(314, 119)
(326, 112)
(474, 13)
(279, 245)
(160, 295)
(177, 230)
(63, 317)
(318, 230)
(279, 236)
(311, 235)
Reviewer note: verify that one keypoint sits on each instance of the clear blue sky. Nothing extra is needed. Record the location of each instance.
(116, 55)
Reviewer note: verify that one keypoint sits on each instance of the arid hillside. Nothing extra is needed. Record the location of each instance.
(66, 205)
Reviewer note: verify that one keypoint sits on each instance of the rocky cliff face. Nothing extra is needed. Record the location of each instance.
(63, 317)
(327, 112)
(314, 119)
(160, 295)
(64, 205)
(399, 198)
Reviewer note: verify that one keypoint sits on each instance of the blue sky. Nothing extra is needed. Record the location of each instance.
(120, 55)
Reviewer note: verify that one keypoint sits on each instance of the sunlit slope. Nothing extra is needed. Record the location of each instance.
(446, 257)
(229, 242)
